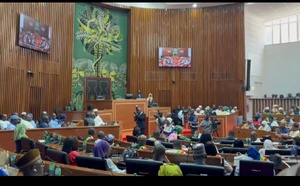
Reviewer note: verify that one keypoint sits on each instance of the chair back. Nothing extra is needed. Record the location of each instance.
(256, 168)
(91, 162)
(278, 151)
(42, 148)
(207, 170)
(150, 142)
(57, 156)
(143, 167)
(167, 145)
(132, 139)
(234, 150)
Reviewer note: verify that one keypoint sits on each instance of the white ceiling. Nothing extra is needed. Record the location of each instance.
(266, 11)
(270, 11)
(172, 5)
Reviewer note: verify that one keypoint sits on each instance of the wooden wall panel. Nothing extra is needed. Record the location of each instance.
(51, 84)
(216, 36)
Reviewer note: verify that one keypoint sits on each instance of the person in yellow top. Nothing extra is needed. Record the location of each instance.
(20, 131)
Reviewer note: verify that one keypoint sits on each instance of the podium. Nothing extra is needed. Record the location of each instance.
(97, 93)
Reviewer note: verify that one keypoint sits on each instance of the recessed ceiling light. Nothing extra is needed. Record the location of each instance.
(195, 5)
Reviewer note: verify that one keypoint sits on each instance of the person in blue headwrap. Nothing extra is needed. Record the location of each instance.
(252, 154)
(3, 172)
(61, 120)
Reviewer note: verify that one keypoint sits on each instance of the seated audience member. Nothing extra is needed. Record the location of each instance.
(177, 147)
(139, 94)
(54, 122)
(14, 120)
(282, 129)
(136, 131)
(252, 154)
(178, 130)
(3, 122)
(30, 163)
(296, 141)
(142, 139)
(238, 143)
(44, 123)
(293, 133)
(168, 128)
(102, 150)
(272, 121)
(61, 120)
(205, 137)
(199, 154)
(169, 169)
(98, 120)
(70, 146)
(26, 121)
(264, 126)
(159, 154)
(253, 137)
(155, 137)
(268, 145)
(288, 121)
(101, 136)
(90, 136)
(211, 150)
(110, 139)
(231, 135)
(29, 118)
(256, 121)
(89, 120)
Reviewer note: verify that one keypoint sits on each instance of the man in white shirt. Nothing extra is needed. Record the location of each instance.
(273, 123)
(98, 120)
(3, 122)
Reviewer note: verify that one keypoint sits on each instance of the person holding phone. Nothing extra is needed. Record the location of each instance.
(140, 119)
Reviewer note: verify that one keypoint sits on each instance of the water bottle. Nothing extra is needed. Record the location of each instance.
(57, 171)
(84, 146)
(134, 174)
(59, 139)
(12, 160)
(286, 146)
(51, 169)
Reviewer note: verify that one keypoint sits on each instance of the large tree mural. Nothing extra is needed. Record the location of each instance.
(100, 48)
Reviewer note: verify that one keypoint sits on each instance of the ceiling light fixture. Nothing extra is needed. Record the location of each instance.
(195, 5)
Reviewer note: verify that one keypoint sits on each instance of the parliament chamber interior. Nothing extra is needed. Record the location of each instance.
(149, 89)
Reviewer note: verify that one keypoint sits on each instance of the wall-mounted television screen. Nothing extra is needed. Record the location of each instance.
(33, 34)
(174, 57)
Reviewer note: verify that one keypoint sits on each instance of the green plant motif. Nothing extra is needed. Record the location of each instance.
(99, 34)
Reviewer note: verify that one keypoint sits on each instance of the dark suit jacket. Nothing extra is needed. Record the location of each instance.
(140, 120)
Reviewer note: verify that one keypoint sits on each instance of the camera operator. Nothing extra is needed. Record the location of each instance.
(214, 123)
(139, 118)
(206, 124)
(160, 121)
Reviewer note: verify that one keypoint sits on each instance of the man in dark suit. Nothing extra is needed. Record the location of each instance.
(140, 119)
(139, 94)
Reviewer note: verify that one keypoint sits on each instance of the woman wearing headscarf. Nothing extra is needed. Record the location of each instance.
(268, 145)
(252, 154)
(102, 150)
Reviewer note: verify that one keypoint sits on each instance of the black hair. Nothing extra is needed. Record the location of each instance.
(136, 131)
(205, 137)
(70, 144)
(210, 148)
(91, 131)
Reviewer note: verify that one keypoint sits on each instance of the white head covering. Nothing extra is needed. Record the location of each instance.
(95, 110)
(170, 120)
(264, 122)
(268, 144)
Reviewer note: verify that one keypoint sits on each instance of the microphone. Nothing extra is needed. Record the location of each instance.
(63, 168)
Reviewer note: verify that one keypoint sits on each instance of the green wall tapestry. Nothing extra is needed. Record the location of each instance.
(100, 48)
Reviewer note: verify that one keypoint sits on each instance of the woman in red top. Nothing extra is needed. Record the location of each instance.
(70, 146)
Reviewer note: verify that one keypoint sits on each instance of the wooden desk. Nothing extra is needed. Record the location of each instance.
(245, 133)
(6, 136)
(279, 117)
(106, 115)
